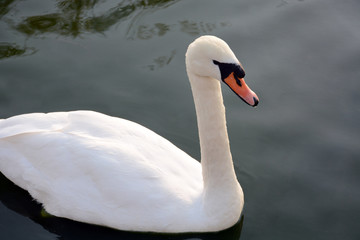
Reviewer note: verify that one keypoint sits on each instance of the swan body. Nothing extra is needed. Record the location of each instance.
(109, 171)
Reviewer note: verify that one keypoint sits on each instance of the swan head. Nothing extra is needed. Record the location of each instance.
(210, 56)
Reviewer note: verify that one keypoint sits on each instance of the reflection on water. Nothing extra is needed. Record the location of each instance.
(5, 7)
(21, 202)
(147, 32)
(73, 18)
(283, 3)
(11, 50)
(160, 29)
(161, 61)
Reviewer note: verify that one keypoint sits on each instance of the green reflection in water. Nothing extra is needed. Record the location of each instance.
(11, 50)
(5, 7)
(73, 18)
(76, 17)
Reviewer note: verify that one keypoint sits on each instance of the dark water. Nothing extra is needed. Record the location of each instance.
(297, 155)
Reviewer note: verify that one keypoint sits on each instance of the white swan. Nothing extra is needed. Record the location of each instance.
(104, 170)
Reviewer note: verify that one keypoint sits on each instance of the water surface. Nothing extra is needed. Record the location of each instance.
(296, 155)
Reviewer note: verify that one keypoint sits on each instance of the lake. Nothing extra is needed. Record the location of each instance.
(296, 155)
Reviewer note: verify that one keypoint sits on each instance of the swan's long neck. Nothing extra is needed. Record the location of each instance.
(220, 182)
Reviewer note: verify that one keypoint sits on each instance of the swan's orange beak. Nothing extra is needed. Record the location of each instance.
(233, 75)
(239, 86)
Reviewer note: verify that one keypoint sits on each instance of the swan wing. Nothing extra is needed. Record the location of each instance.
(95, 168)
(34, 122)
